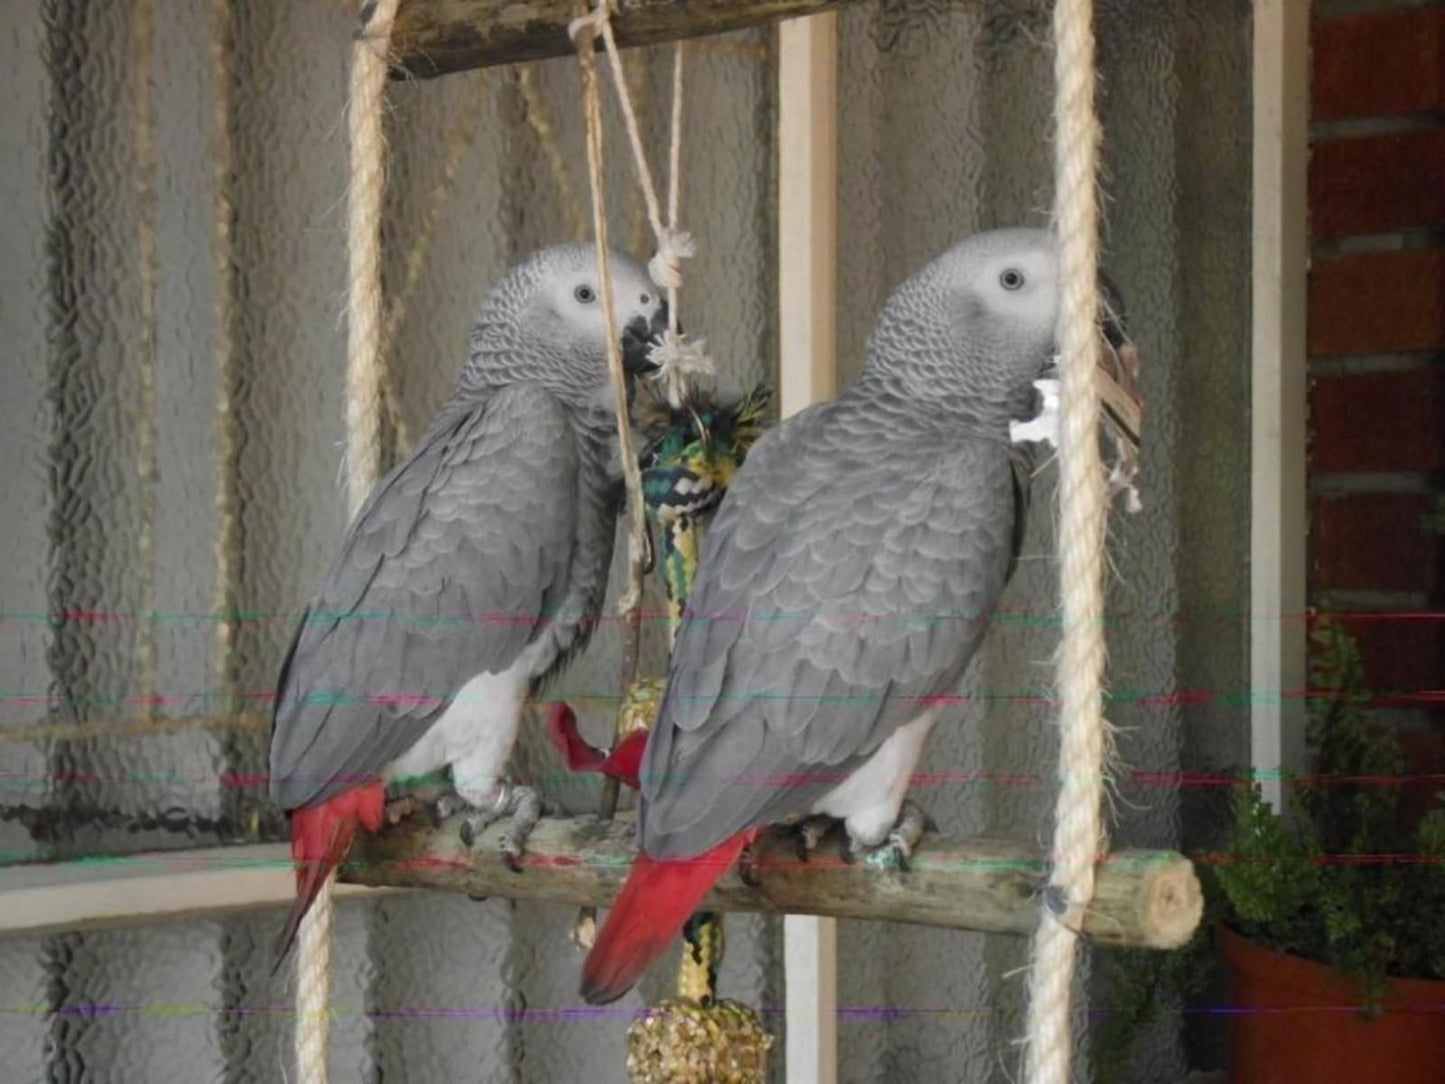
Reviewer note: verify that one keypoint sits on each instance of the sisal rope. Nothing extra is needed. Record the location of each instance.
(148, 273)
(631, 601)
(364, 405)
(1083, 505)
(535, 111)
(228, 436)
(682, 363)
(674, 167)
(459, 139)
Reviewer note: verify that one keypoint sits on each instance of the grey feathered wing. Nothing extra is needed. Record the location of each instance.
(447, 571)
(848, 574)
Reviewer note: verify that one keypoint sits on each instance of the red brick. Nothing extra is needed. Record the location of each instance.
(1377, 184)
(1385, 421)
(1374, 542)
(1377, 302)
(1404, 656)
(1386, 62)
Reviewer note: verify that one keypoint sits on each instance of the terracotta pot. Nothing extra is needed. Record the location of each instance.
(1298, 1022)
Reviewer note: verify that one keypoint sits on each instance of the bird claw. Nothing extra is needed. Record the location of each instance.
(448, 804)
(526, 811)
(399, 809)
(896, 850)
(808, 833)
(747, 868)
(523, 805)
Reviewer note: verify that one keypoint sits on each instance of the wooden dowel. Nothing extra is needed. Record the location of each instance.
(434, 37)
(1146, 899)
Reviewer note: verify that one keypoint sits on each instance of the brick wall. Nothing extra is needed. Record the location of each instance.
(1377, 349)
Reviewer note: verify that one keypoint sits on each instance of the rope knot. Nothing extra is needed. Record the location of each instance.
(683, 365)
(593, 22)
(673, 247)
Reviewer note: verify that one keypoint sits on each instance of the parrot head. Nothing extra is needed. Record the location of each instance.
(543, 323)
(977, 324)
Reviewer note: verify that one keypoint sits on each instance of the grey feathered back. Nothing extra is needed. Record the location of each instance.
(496, 533)
(851, 569)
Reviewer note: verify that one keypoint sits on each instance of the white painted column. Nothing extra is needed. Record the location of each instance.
(1278, 405)
(808, 366)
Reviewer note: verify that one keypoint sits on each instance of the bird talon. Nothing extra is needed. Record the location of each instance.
(900, 858)
(895, 851)
(469, 832)
(891, 854)
(447, 805)
(748, 870)
(809, 833)
(401, 808)
(525, 806)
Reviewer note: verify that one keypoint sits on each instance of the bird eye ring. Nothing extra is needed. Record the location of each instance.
(646, 298)
(1012, 279)
(584, 294)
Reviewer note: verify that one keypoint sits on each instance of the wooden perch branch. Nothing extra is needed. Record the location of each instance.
(1146, 899)
(434, 37)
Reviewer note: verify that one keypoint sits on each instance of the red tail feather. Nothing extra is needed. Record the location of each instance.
(625, 761)
(320, 837)
(621, 764)
(568, 740)
(652, 907)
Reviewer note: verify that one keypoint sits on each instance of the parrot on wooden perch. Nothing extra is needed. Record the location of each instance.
(472, 574)
(844, 584)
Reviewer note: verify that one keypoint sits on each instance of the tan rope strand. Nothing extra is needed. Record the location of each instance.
(583, 32)
(631, 474)
(364, 382)
(1078, 823)
(638, 225)
(364, 302)
(227, 549)
(535, 111)
(674, 173)
(683, 365)
(459, 138)
(143, 37)
(673, 246)
(629, 120)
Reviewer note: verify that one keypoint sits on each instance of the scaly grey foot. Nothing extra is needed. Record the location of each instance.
(522, 804)
(809, 832)
(898, 846)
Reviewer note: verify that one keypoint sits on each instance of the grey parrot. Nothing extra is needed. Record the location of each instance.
(470, 576)
(841, 590)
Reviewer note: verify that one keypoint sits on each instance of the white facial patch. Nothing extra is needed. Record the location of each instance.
(1044, 427)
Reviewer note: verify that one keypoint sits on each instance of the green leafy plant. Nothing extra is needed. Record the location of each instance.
(1433, 521)
(1345, 881)
(1141, 983)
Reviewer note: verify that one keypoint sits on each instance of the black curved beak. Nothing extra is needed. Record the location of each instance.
(639, 338)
